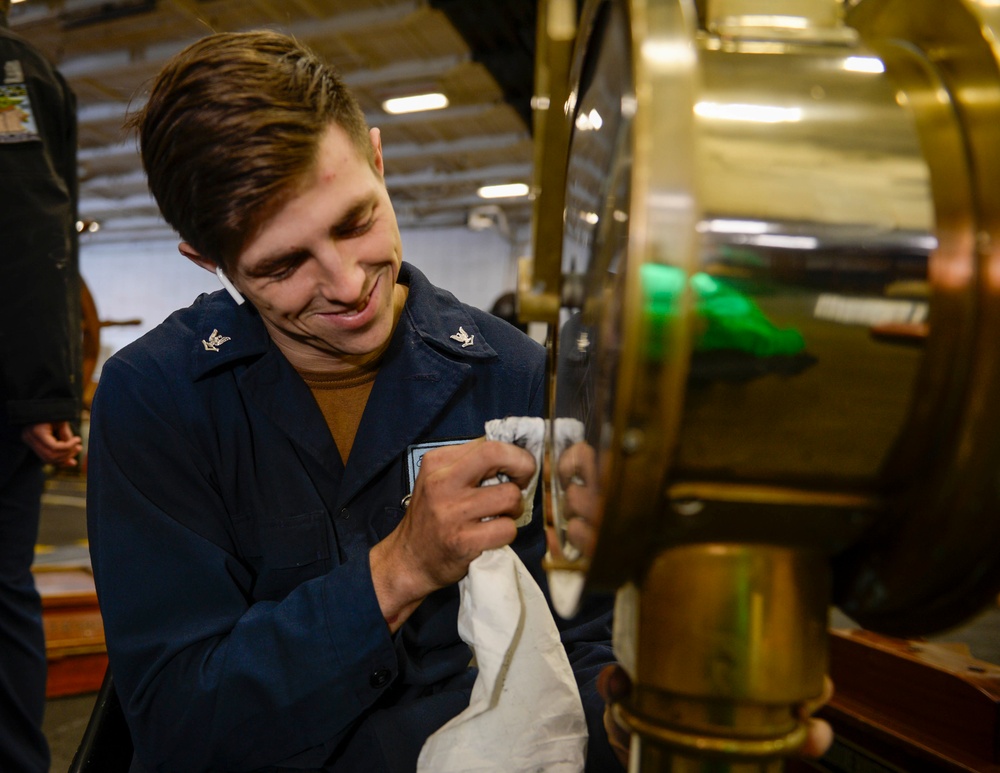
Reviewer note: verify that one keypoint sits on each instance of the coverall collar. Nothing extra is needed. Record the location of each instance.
(430, 355)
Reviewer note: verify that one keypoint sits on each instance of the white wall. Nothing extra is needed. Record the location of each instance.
(149, 280)
(146, 281)
(477, 266)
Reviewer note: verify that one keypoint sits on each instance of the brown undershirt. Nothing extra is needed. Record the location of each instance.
(342, 395)
(342, 398)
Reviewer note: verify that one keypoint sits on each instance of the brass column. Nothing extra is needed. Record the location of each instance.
(728, 640)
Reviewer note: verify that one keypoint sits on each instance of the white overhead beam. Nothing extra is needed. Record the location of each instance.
(98, 199)
(115, 112)
(412, 70)
(97, 206)
(479, 174)
(118, 150)
(473, 144)
(391, 152)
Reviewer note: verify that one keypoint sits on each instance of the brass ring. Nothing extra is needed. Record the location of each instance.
(700, 744)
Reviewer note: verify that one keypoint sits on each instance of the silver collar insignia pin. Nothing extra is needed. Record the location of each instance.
(463, 338)
(215, 341)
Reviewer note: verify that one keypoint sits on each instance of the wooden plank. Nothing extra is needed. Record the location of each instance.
(65, 587)
(71, 630)
(75, 675)
(74, 631)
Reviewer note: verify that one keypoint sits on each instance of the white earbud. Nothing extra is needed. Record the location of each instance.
(230, 287)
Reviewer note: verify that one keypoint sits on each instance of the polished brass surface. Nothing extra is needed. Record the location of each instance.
(815, 199)
(745, 14)
(657, 748)
(539, 280)
(770, 216)
(724, 641)
(786, 221)
(932, 561)
(726, 332)
(623, 352)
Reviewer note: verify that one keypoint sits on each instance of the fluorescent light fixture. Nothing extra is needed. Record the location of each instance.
(864, 64)
(507, 191)
(753, 113)
(415, 103)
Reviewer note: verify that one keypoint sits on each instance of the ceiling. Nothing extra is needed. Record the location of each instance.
(480, 53)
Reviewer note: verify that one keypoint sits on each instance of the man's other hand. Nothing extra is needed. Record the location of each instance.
(53, 442)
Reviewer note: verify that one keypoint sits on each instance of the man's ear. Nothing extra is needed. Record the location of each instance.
(376, 137)
(194, 256)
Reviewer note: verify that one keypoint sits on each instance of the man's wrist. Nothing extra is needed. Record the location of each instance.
(396, 589)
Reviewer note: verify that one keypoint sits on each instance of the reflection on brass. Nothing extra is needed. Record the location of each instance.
(774, 495)
(786, 218)
(812, 180)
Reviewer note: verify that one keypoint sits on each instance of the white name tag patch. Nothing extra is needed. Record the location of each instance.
(416, 452)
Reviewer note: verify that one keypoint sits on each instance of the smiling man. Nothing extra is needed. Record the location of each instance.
(277, 583)
(322, 268)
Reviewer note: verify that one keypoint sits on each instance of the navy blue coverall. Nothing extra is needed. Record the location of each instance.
(230, 544)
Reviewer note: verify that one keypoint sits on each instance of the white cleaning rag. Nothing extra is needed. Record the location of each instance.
(525, 714)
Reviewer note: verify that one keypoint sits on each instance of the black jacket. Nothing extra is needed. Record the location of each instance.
(40, 318)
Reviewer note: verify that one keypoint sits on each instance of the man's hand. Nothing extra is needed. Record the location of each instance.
(577, 468)
(614, 685)
(53, 442)
(820, 737)
(449, 522)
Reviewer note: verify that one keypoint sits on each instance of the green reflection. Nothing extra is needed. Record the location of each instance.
(733, 321)
(662, 287)
(729, 320)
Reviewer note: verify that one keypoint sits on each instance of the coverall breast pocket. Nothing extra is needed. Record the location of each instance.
(296, 540)
(293, 549)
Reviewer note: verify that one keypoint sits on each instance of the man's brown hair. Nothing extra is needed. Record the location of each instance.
(232, 125)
